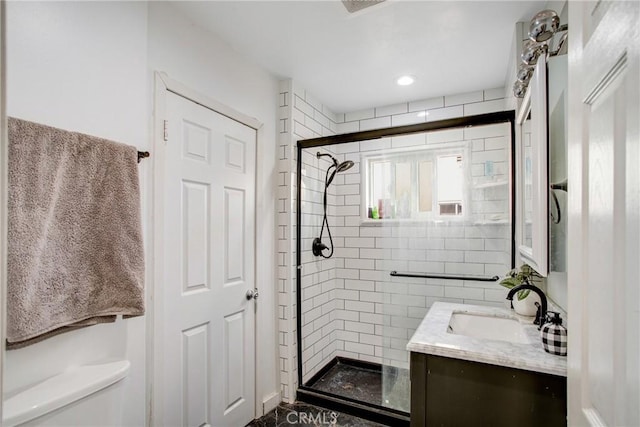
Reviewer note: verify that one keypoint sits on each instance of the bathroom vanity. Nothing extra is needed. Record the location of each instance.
(475, 365)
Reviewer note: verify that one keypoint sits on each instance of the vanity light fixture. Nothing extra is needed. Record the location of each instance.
(405, 80)
(519, 89)
(524, 73)
(531, 51)
(543, 26)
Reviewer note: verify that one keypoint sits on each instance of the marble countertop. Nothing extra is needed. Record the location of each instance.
(432, 337)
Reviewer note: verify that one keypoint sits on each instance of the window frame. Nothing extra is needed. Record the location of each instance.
(415, 155)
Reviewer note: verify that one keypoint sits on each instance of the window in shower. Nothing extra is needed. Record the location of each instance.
(421, 184)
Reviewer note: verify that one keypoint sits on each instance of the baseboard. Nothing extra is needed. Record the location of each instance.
(270, 402)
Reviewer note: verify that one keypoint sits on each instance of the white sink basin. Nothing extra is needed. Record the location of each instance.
(487, 327)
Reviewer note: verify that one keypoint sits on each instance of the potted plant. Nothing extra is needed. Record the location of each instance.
(524, 303)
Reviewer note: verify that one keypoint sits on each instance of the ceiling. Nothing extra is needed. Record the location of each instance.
(351, 61)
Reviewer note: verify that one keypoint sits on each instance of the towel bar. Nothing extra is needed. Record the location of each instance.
(445, 276)
(143, 155)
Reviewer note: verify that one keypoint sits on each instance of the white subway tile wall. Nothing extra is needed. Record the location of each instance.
(381, 312)
(351, 306)
(318, 274)
(302, 116)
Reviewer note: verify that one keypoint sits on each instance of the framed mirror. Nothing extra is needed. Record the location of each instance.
(531, 173)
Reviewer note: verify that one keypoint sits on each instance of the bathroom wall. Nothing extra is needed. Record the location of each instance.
(200, 60)
(287, 339)
(88, 66)
(428, 110)
(82, 66)
(517, 37)
(317, 274)
(302, 116)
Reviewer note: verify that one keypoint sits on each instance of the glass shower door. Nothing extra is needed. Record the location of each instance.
(447, 217)
(435, 203)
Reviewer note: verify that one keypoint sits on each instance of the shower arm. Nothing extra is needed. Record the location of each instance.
(335, 161)
(562, 185)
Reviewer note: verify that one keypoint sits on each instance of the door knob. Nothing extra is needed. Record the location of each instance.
(252, 294)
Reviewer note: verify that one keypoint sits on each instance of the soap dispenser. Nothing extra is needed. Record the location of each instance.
(554, 335)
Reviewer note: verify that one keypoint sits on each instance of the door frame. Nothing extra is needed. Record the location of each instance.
(155, 254)
(4, 176)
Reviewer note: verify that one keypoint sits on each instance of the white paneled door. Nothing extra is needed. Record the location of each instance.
(209, 250)
(604, 214)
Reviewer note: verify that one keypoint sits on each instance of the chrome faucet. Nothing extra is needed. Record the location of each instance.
(541, 312)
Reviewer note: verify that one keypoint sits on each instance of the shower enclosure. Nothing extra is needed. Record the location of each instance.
(388, 222)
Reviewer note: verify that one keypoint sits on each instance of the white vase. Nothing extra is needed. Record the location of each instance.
(526, 307)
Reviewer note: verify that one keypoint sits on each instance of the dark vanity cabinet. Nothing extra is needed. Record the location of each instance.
(460, 393)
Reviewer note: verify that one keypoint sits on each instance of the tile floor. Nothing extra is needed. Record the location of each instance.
(305, 415)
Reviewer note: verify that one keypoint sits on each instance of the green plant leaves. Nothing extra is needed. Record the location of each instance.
(518, 276)
(510, 282)
(523, 294)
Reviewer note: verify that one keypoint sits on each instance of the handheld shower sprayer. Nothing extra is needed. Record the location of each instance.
(337, 167)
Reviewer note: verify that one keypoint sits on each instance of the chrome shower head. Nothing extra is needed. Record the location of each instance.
(543, 25)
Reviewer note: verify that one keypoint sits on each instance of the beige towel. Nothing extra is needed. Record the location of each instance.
(75, 254)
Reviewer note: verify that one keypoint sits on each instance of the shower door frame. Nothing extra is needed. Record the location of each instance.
(369, 411)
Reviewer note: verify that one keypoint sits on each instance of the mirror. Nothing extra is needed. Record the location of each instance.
(531, 175)
(527, 182)
(558, 82)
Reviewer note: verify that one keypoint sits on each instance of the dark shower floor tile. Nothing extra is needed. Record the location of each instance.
(355, 382)
(305, 415)
(389, 388)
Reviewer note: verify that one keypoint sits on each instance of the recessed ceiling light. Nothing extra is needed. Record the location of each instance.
(405, 80)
